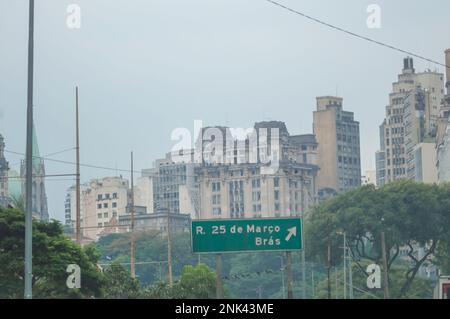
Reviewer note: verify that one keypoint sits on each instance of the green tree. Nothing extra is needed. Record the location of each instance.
(197, 282)
(421, 288)
(411, 215)
(119, 284)
(52, 253)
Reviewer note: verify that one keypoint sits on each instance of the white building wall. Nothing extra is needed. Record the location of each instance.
(444, 158)
(143, 193)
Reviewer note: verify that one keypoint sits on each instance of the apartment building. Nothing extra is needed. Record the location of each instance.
(412, 118)
(338, 152)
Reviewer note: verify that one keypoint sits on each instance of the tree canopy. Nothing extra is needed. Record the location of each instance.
(415, 218)
(52, 253)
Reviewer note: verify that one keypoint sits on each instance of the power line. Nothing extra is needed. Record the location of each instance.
(50, 154)
(161, 175)
(73, 163)
(356, 35)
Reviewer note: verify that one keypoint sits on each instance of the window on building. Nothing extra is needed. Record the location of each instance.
(99, 197)
(99, 215)
(277, 195)
(105, 205)
(114, 205)
(105, 215)
(100, 225)
(114, 195)
(276, 182)
(99, 205)
(114, 214)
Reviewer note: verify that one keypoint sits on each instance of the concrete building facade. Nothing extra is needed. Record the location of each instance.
(4, 168)
(70, 210)
(443, 136)
(246, 189)
(103, 201)
(337, 135)
(157, 221)
(169, 185)
(412, 117)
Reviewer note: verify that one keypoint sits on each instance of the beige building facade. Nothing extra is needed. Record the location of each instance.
(412, 118)
(338, 154)
(103, 201)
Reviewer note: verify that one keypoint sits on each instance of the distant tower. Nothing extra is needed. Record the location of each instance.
(39, 206)
(4, 199)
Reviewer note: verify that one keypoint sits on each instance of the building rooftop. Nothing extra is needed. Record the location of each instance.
(303, 139)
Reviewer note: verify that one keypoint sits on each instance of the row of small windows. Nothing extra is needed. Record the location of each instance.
(397, 101)
(349, 160)
(397, 171)
(105, 205)
(348, 128)
(348, 138)
(351, 149)
(397, 161)
(395, 130)
(396, 119)
(106, 196)
(346, 182)
(106, 215)
(395, 140)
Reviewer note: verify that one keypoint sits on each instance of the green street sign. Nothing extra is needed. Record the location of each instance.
(238, 235)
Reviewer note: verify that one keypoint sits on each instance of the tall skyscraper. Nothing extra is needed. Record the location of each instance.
(337, 135)
(412, 118)
(4, 167)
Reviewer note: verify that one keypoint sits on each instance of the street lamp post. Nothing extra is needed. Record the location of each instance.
(28, 289)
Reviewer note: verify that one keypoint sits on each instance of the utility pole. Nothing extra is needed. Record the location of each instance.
(303, 253)
(329, 267)
(350, 280)
(282, 277)
(219, 283)
(78, 186)
(169, 249)
(345, 265)
(289, 275)
(132, 253)
(385, 266)
(28, 289)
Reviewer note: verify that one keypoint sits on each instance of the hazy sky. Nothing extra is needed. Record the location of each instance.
(146, 67)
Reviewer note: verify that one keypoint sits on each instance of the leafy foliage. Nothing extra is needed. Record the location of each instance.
(52, 253)
(414, 217)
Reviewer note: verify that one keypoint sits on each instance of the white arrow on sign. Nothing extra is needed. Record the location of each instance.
(291, 232)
